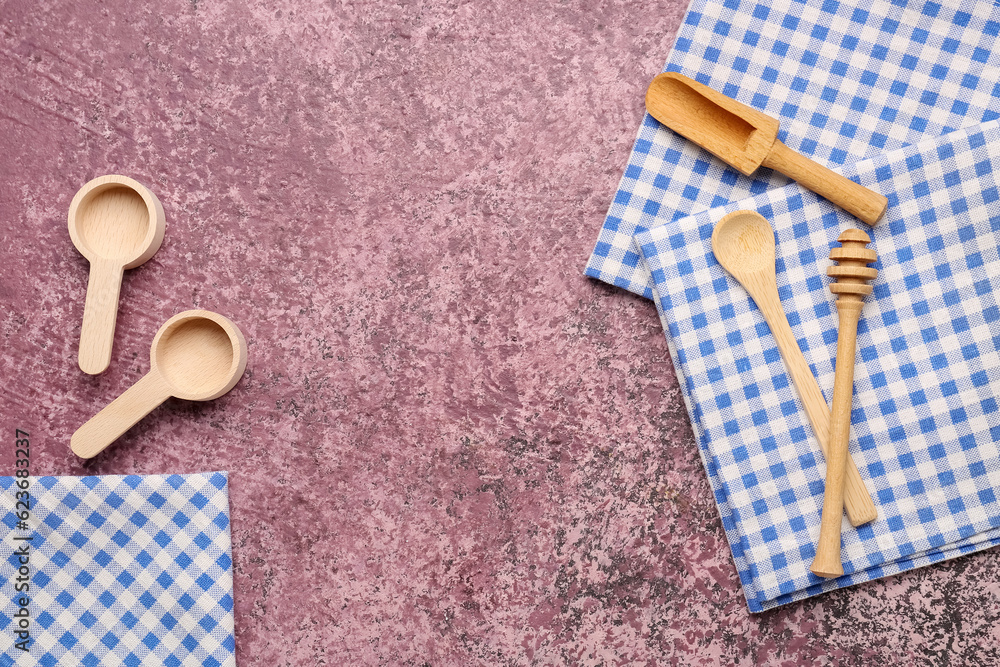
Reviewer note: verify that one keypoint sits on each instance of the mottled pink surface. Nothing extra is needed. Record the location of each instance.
(449, 447)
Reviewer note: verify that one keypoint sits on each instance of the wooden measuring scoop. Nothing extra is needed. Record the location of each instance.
(197, 355)
(743, 242)
(117, 224)
(745, 139)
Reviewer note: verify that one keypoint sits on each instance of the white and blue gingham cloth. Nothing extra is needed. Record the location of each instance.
(848, 80)
(124, 570)
(926, 411)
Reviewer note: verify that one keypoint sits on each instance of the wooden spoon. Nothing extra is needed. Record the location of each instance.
(745, 139)
(117, 224)
(743, 242)
(196, 355)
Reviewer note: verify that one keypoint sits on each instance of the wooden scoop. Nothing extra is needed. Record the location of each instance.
(117, 224)
(743, 242)
(196, 355)
(745, 139)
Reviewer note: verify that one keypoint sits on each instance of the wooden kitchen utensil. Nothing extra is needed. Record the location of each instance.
(196, 355)
(743, 242)
(117, 224)
(745, 139)
(851, 286)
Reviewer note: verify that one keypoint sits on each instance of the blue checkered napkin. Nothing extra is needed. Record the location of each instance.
(848, 79)
(124, 571)
(926, 415)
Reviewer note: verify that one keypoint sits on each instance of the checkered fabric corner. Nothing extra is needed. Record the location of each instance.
(926, 411)
(121, 570)
(848, 80)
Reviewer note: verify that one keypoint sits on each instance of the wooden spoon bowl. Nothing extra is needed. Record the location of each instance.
(743, 242)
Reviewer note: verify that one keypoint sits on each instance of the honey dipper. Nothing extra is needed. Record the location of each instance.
(852, 284)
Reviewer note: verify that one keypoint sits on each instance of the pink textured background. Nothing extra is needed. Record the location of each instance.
(449, 447)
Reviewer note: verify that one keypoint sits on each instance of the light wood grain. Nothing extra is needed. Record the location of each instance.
(117, 224)
(745, 139)
(851, 286)
(743, 242)
(196, 355)
(856, 199)
(737, 134)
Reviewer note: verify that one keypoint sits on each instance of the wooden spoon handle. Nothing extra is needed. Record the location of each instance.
(827, 562)
(100, 312)
(857, 200)
(120, 415)
(858, 501)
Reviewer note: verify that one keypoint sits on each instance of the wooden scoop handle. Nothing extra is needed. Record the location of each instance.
(120, 415)
(100, 312)
(859, 201)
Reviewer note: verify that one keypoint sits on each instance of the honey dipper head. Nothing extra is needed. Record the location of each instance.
(852, 274)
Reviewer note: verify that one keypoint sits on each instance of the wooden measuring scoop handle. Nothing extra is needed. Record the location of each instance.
(119, 416)
(97, 335)
(859, 201)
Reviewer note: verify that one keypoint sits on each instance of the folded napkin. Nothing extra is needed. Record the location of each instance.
(926, 412)
(123, 570)
(848, 80)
